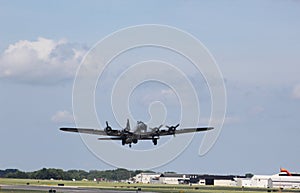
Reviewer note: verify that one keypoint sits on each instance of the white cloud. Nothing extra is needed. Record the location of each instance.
(62, 117)
(296, 92)
(43, 61)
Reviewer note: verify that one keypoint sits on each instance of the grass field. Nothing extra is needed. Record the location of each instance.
(144, 187)
(19, 191)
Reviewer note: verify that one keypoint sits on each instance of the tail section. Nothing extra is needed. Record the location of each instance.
(286, 171)
(127, 125)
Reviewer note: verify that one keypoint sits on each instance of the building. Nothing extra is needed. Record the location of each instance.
(262, 181)
(146, 178)
(171, 178)
(284, 179)
(243, 182)
(218, 180)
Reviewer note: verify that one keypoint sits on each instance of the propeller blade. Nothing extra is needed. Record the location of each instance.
(173, 128)
(108, 128)
(156, 129)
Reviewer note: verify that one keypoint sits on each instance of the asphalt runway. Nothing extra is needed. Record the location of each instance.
(62, 189)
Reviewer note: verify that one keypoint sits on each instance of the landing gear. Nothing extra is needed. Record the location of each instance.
(154, 141)
(123, 141)
(130, 145)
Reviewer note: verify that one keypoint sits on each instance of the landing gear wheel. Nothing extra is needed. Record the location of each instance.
(154, 141)
(123, 142)
(130, 145)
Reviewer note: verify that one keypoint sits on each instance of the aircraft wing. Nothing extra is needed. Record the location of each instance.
(192, 130)
(110, 138)
(164, 132)
(84, 130)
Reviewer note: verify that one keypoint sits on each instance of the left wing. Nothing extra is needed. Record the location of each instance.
(164, 132)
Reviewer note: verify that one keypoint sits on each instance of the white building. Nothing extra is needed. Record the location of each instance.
(145, 178)
(173, 178)
(281, 180)
(262, 181)
(243, 182)
(217, 180)
(224, 182)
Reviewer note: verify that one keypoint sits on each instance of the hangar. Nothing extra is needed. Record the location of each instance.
(171, 178)
(145, 178)
(283, 179)
(218, 180)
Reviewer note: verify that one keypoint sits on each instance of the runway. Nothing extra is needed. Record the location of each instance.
(62, 189)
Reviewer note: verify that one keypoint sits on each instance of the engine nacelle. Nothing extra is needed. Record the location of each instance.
(107, 128)
(172, 128)
(129, 140)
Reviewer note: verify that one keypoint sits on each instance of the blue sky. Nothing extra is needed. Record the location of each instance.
(255, 43)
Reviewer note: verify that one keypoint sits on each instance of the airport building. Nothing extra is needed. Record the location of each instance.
(218, 180)
(171, 178)
(284, 179)
(146, 178)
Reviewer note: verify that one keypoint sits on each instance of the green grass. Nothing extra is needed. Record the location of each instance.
(163, 188)
(20, 191)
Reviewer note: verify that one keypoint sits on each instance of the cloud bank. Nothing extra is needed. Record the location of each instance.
(43, 61)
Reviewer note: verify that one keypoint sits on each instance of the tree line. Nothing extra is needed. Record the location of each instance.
(59, 174)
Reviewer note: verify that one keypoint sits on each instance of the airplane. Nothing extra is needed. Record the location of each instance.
(140, 133)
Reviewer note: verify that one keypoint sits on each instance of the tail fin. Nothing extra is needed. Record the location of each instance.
(286, 171)
(127, 125)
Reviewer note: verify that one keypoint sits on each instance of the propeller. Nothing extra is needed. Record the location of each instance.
(107, 128)
(156, 129)
(173, 128)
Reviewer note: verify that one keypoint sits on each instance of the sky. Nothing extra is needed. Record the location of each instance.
(256, 45)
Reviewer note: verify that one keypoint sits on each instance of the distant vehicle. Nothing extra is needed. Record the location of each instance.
(140, 133)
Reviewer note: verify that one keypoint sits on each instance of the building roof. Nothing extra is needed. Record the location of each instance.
(202, 176)
(148, 173)
(172, 175)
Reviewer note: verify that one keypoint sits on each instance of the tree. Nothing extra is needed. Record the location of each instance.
(44, 173)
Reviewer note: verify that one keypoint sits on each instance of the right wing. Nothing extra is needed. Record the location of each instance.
(192, 130)
(89, 131)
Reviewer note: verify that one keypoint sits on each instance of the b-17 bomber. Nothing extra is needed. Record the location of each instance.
(141, 132)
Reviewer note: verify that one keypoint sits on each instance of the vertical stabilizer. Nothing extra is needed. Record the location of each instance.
(127, 125)
(286, 171)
